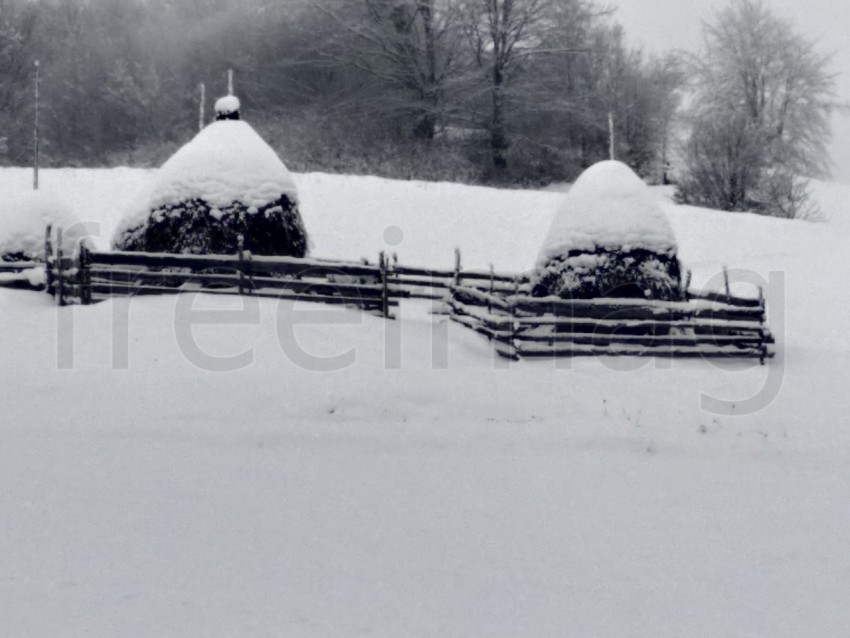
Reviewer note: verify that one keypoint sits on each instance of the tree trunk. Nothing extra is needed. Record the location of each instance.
(498, 137)
(426, 123)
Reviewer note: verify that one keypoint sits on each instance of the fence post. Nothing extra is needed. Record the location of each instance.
(248, 258)
(385, 289)
(457, 266)
(240, 242)
(60, 300)
(48, 256)
(490, 296)
(763, 357)
(84, 274)
(686, 294)
(513, 318)
(726, 281)
(393, 268)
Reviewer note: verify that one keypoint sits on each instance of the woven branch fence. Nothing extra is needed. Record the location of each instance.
(90, 276)
(496, 305)
(704, 325)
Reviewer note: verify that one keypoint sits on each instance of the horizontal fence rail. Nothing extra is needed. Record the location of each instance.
(709, 325)
(20, 274)
(90, 276)
(128, 273)
(18, 266)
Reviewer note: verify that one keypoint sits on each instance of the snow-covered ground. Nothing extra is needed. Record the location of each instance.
(200, 466)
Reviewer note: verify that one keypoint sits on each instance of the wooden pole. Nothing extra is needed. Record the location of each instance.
(726, 281)
(457, 266)
(59, 275)
(230, 81)
(240, 252)
(87, 266)
(385, 292)
(84, 274)
(35, 131)
(611, 145)
(513, 318)
(490, 297)
(48, 257)
(203, 106)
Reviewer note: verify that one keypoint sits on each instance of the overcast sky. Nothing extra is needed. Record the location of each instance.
(657, 25)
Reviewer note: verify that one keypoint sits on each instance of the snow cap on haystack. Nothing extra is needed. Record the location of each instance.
(226, 162)
(224, 183)
(608, 208)
(227, 108)
(610, 238)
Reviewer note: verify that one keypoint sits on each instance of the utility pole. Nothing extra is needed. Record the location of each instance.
(203, 106)
(35, 133)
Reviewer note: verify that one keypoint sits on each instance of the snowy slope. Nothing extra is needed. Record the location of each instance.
(350, 218)
(421, 487)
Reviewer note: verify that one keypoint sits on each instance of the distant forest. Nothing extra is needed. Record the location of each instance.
(494, 91)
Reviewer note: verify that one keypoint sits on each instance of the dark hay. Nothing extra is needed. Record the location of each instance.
(638, 273)
(191, 227)
(20, 256)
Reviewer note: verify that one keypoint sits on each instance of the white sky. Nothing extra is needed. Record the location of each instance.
(658, 25)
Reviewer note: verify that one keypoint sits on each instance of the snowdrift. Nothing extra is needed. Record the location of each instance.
(199, 466)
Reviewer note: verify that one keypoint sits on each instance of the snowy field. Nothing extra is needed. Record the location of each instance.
(220, 467)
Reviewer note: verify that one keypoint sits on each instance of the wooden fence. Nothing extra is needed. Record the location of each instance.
(13, 274)
(90, 276)
(497, 305)
(431, 283)
(705, 325)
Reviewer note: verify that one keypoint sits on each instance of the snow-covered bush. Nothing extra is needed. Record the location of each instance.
(610, 238)
(23, 220)
(226, 182)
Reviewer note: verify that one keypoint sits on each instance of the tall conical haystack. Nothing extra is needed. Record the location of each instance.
(226, 182)
(610, 238)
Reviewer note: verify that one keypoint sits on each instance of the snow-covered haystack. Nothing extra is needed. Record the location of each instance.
(23, 220)
(610, 238)
(227, 181)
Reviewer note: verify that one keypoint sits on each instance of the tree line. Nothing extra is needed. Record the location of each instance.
(507, 90)
(484, 91)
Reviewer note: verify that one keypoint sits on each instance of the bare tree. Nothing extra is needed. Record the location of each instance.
(760, 112)
(501, 33)
(408, 47)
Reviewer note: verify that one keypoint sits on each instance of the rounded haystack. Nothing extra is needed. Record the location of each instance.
(610, 238)
(23, 220)
(226, 182)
